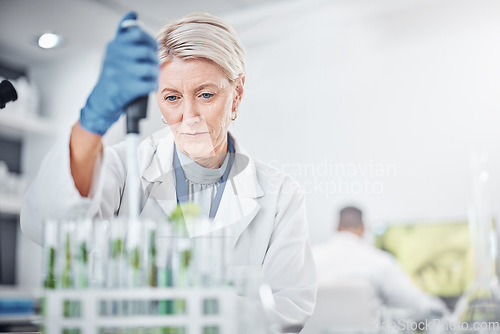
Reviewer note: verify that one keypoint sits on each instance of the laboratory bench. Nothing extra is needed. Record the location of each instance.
(19, 310)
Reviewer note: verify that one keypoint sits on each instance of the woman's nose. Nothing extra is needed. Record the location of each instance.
(191, 114)
(190, 121)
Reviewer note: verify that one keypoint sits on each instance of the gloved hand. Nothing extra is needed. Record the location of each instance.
(130, 70)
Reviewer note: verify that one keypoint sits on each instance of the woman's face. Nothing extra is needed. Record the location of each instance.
(196, 100)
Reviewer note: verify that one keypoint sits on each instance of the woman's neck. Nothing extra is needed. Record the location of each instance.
(214, 159)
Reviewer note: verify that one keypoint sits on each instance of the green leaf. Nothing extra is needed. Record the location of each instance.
(116, 248)
(185, 258)
(135, 259)
(188, 210)
(83, 252)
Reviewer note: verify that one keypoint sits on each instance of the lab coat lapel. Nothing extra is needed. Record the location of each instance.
(238, 205)
(158, 181)
(235, 213)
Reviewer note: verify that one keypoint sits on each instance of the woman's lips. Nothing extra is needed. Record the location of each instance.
(194, 134)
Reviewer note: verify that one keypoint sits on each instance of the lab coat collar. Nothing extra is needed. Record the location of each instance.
(155, 154)
(346, 236)
(238, 205)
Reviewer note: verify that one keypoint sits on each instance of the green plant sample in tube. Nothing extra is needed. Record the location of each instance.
(152, 280)
(116, 248)
(50, 279)
(83, 258)
(66, 281)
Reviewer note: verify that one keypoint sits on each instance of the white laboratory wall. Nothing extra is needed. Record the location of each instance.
(64, 86)
(378, 106)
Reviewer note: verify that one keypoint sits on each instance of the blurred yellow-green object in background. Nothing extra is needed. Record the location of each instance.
(437, 255)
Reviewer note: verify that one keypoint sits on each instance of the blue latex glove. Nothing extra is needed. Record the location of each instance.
(130, 70)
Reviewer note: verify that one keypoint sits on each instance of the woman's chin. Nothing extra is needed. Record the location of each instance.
(196, 149)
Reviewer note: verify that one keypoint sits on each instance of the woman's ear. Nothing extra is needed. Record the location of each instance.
(239, 89)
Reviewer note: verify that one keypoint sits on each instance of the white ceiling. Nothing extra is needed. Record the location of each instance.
(88, 23)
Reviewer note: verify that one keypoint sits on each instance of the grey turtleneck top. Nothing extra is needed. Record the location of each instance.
(201, 182)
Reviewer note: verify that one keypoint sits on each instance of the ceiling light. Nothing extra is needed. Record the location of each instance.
(49, 41)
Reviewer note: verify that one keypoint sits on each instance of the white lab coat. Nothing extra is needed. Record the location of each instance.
(347, 257)
(262, 208)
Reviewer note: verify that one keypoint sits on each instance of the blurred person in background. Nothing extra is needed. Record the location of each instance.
(347, 257)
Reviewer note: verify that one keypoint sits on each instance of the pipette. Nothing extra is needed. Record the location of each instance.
(135, 111)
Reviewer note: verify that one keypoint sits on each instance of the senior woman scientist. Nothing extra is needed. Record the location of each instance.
(199, 88)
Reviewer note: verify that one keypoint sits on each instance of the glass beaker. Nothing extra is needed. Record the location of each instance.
(481, 303)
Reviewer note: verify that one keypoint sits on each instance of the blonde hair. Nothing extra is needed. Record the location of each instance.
(203, 36)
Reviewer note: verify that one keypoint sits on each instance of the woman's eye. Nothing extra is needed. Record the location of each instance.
(171, 98)
(207, 95)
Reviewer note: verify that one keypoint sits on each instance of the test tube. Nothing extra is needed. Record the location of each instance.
(116, 255)
(99, 254)
(209, 261)
(50, 269)
(117, 264)
(67, 253)
(149, 250)
(133, 245)
(83, 244)
(51, 247)
(68, 258)
(163, 263)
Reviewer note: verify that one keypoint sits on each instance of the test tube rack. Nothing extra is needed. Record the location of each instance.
(196, 318)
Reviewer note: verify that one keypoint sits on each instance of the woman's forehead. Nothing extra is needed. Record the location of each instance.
(191, 67)
(191, 72)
